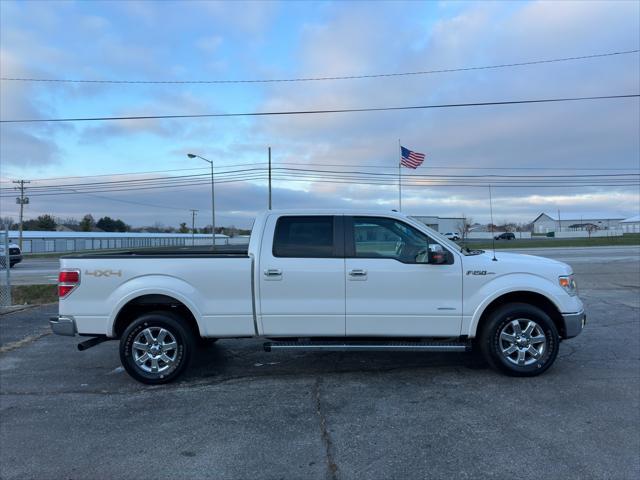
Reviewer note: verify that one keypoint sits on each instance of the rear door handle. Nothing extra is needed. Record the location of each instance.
(273, 272)
(358, 272)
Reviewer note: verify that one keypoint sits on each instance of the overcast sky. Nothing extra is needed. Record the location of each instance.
(210, 40)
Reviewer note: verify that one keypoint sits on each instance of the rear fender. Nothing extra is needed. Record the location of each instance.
(154, 285)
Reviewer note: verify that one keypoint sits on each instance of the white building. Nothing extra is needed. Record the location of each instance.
(572, 222)
(441, 224)
(631, 224)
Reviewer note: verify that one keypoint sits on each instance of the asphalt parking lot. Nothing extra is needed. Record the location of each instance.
(244, 413)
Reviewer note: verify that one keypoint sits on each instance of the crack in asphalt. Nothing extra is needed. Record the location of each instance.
(332, 467)
(571, 352)
(10, 310)
(25, 341)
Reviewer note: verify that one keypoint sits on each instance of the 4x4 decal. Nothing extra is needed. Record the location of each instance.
(104, 273)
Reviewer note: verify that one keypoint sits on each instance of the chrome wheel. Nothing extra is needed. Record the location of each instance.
(155, 350)
(522, 342)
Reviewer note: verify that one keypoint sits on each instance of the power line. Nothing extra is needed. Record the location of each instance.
(312, 176)
(132, 202)
(339, 165)
(371, 181)
(323, 78)
(114, 174)
(390, 184)
(315, 173)
(328, 111)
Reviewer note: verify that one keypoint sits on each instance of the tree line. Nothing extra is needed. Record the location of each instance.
(49, 223)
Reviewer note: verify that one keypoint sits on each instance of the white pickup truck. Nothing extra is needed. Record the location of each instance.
(322, 280)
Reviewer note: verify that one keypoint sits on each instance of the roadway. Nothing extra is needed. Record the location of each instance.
(34, 271)
(45, 270)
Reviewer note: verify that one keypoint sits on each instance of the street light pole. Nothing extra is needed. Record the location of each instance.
(213, 199)
(269, 178)
(194, 212)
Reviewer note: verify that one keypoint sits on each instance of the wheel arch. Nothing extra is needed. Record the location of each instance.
(522, 296)
(153, 302)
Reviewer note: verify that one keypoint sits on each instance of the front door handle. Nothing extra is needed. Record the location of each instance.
(273, 272)
(358, 272)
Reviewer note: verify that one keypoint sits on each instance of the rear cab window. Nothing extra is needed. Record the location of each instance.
(308, 237)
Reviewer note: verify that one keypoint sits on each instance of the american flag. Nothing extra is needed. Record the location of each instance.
(411, 159)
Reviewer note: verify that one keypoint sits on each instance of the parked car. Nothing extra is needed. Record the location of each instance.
(322, 280)
(15, 255)
(452, 236)
(505, 236)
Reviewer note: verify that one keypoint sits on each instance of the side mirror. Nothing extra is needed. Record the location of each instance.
(441, 257)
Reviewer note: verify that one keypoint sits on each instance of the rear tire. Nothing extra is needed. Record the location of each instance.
(156, 348)
(519, 340)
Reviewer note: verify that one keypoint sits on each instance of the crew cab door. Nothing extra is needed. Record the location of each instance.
(302, 280)
(399, 281)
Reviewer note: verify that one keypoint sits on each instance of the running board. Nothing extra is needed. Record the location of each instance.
(423, 346)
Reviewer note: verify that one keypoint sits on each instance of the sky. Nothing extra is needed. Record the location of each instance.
(200, 40)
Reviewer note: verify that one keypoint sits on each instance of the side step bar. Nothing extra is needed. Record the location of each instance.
(368, 346)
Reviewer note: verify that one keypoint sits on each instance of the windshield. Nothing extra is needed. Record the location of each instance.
(450, 243)
(436, 236)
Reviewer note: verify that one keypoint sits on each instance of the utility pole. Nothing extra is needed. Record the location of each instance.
(269, 178)
(193, 226)
(22, 201)
(559, 222)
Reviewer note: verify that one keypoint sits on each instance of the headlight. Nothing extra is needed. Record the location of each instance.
(568, 283)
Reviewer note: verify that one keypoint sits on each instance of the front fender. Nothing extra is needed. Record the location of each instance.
(154, 285)
(476, 301)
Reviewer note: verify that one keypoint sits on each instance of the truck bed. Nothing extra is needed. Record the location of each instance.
(170, 252)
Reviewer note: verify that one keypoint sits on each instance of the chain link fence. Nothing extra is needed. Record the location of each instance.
(5, 270)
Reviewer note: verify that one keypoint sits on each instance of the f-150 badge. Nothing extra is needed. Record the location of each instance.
(479, 272)
(104, 273)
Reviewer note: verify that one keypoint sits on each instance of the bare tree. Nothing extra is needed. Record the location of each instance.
(464, 225)
(6, 222)
(590, 227)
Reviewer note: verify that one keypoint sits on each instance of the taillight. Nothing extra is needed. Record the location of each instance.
(67, 281)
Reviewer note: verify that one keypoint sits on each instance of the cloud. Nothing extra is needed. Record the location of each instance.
(19, 148)
(209, 44)
(244, 17)
(338, 39)
(578, 135)
(169, 103)
(22, 146)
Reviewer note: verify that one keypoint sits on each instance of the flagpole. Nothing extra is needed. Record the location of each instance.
(400, 177)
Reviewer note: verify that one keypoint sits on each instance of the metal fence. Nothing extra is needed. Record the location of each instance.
(5, 270)
(67, 242)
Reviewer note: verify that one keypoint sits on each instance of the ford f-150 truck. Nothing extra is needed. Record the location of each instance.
(322, 280)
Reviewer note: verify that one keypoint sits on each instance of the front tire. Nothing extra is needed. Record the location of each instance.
(520, 340)
(156, 348)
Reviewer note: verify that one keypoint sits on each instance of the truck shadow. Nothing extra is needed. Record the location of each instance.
(246, 358)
